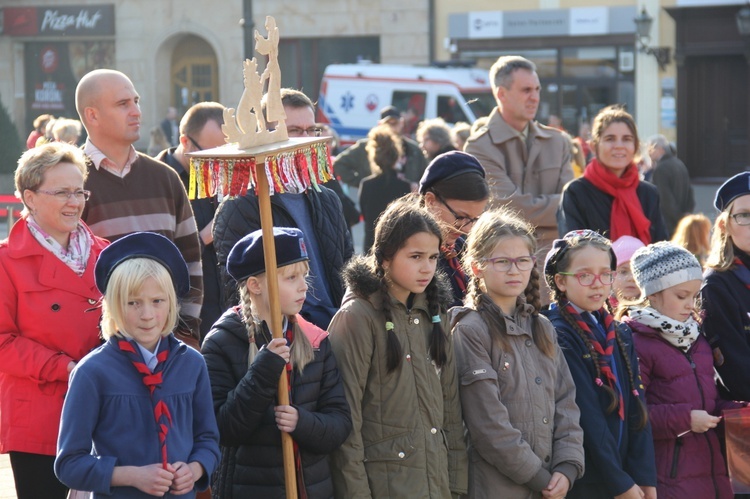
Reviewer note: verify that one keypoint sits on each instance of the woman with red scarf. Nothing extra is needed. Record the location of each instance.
(610, 197)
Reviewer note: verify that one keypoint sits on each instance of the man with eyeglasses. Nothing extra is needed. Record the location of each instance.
(131, 192)
(200, 128)
(527, 163)
(318, 214)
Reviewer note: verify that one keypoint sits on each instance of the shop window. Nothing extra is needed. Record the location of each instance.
(449, 109)
(412, 105)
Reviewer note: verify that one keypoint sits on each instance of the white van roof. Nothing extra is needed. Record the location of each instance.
(466, 79)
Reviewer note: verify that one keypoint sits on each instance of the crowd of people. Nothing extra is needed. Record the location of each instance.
(513, 328)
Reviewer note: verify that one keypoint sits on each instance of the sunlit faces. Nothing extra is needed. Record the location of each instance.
(299, 120)
(616, 148)
(624, 285)
(57, 218)
(209, 137)
(146, 312)
(456, 217)
(591, 260)
(520, 102)
(293, 286)
(117, 114)
(740, 234)
(677, 302)
(413, 266)
(505, 287)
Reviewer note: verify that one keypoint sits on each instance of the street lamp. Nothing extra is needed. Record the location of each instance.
(743, 21)
(643, 33)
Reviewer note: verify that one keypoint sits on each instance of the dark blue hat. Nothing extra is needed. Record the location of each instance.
(448, 165)
(143, 245)
(561, 246)
(737, 186)
(246, 258)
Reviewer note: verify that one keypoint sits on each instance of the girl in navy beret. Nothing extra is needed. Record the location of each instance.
(137, 419)
(245, 363)
(391, 340)
(725, 294)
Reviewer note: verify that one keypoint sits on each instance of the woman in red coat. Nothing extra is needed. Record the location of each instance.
(48, 311)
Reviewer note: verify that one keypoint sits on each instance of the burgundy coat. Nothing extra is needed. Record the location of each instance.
(48, 317)
(691, 466)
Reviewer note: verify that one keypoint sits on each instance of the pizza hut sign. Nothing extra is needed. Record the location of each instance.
(56, 21)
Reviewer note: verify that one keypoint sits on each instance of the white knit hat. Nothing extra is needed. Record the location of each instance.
(662, 265)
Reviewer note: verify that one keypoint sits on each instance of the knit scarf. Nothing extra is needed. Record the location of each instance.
(153, 382)
(604, 352)
(682, 335)
(627, 217)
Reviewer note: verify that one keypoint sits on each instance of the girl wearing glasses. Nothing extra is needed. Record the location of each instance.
(600, 353)
(725, 294)
(48, 314)
(678, 374)
(454, 191)
(517, 394)
(610, 197)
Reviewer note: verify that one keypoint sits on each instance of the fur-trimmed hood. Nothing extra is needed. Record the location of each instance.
(360, 281)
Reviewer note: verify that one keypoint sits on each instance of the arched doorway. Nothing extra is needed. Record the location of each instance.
(194, 75)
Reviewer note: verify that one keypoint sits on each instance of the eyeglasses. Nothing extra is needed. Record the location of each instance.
(741, 218)
(295, 131)
(504, 264)
(588, 279)
(460, 222)
(195, 144)
(63, 196)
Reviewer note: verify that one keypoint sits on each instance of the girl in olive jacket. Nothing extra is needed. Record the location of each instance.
(397, 364)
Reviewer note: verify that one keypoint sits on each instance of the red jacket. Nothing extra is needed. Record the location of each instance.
(691, 466)
(46, 320)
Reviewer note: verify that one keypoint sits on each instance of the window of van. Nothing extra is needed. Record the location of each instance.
(449, 109)
(412, 105)
(481, 104)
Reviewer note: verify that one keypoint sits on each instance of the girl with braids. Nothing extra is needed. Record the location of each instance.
(678, 375)
(396, 359)
(454, 191)
(137, 419)
(245, 363)
(512, 372)
(600, 353)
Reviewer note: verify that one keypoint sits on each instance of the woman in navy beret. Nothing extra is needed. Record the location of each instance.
(725, 294)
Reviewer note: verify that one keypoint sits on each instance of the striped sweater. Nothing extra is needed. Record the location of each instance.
(150, 197)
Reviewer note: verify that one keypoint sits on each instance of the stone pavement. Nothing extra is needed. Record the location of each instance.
(7, 489)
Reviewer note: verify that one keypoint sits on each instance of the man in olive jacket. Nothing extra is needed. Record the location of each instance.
(527, 163)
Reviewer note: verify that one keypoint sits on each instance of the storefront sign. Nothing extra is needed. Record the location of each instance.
(84, 20)
(589, 21)
(546, 22)
(486, 24)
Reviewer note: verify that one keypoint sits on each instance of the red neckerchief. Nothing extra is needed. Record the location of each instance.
(627, 217)
(458, 275)
(153, 382)
(605, 353)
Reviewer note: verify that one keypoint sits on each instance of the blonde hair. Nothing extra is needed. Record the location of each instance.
(36, 162)
(721, 256)
(126, 281)
(492, 228)
(301, 351)
(693, 232)
(66, 130)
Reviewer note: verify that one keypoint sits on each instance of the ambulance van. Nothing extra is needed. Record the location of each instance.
(352, 95)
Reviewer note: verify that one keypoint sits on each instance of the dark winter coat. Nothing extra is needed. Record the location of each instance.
(611, 468)
(726, 325)
(691, 466)
(240, 216)
(375, 193)
(676, 198)
(583, 206)
(244, 398)
(353, 165)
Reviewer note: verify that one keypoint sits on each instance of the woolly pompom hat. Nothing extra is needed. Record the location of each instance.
(662, 265)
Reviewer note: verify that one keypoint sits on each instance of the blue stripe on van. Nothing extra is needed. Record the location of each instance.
(335, 122)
